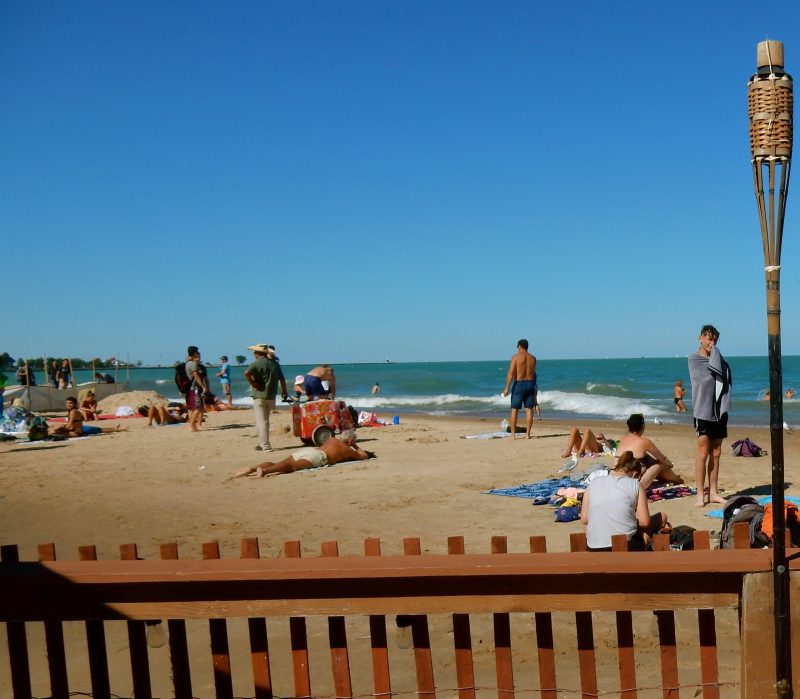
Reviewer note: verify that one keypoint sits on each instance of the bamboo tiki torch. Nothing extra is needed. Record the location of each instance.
(770, 100)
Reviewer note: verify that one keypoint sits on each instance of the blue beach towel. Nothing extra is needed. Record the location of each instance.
(764, 501)
(541, 489)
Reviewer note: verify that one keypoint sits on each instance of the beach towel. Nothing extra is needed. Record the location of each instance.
(486, 435)
(767, 500)
(721, 372)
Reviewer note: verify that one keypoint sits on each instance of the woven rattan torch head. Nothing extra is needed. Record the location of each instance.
(770, 99)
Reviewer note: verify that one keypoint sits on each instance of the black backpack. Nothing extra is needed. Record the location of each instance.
(681, 538)
(183, 382)
(743, 508)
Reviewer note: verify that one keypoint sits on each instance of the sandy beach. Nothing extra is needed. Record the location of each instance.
(154, 485)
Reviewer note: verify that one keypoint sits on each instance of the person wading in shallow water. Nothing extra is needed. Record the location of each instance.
(522, 372)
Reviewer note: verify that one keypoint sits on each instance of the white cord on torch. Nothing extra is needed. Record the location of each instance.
(772, 268)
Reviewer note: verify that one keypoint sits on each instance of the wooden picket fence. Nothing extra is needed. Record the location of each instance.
(522, 624)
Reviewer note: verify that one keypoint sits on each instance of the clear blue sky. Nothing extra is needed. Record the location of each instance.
(355, 181)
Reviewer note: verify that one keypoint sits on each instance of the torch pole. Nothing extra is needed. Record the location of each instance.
(770, 105)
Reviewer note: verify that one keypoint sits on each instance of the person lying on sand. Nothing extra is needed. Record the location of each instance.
(334, 451)
(584, 444)
(164, 416)
(657, 464)
(75, 426)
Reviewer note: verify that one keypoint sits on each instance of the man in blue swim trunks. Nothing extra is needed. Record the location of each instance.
(522, 372)
(320, 382)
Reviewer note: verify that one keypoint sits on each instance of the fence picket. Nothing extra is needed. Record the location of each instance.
(423, 659)
(96, 642)
(54, 641)
(585, 633)
(17, 639)
(257, 627)
(707, 631)
(337, 636)
(137, 641)
(378, 640)
(178, 645)
(502, 638)
(627, 656)
(218, 632)
(666, 637)
(462, 637)
(544, 637)
(299, 638)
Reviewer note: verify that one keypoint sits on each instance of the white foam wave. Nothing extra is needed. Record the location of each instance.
(443, 400)
(162, 381)
(606, 386)
(613, 407)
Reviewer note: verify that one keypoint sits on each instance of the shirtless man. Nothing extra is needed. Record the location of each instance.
(659, 467)
(332, 452)
(75, 426)
(313, 382)
(522, 372)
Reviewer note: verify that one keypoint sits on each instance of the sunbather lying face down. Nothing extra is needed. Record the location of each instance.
(334, 451)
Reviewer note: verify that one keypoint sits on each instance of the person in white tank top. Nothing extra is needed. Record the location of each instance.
(617, 504)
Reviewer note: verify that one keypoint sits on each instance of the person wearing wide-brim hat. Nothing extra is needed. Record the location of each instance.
(264, 375)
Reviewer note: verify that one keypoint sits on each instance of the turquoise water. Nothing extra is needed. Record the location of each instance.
(568, 389)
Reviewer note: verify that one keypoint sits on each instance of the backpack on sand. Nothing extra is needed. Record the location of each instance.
(746, 447)
(743, 508)
(681, 538)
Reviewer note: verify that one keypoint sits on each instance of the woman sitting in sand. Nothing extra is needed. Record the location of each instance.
(75, 426)
(617, 504)
(657, 464)
(89, 407)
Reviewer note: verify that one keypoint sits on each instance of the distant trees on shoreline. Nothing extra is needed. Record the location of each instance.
(8, 362)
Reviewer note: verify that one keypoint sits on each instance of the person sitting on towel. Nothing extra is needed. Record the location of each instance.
(657, 464)
(334, 451)
(617, 504)
(75, 426)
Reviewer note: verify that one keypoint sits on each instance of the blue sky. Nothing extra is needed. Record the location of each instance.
(355, 181)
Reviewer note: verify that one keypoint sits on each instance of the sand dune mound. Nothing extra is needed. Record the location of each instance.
(130, 398)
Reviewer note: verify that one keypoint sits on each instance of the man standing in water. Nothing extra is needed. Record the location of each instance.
(522, 372)
(711, 400)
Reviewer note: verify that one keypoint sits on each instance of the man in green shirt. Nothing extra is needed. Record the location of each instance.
(263, 375)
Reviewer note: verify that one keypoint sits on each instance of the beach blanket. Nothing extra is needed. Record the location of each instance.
(487, 435)
(550, 487)
(764, 501)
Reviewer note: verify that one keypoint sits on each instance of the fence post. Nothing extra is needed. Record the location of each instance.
(757, 637)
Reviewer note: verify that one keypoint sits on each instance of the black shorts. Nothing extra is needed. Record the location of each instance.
(711, 428)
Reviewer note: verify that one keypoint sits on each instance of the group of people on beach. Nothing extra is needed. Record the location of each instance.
(618, 505)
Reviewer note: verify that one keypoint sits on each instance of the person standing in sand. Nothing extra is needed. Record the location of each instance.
(195, 397)
(711, 400)
(522, 372)
(333, 451)
(263, 375)
(320, 382)
(224, 375)
(678, 393)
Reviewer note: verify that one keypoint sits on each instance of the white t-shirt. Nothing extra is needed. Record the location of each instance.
(612, 509)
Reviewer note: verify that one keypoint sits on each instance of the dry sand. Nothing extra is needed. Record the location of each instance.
(154, 485)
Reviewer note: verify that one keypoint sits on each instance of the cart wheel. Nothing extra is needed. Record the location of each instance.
(306, 441)
(321, 435)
